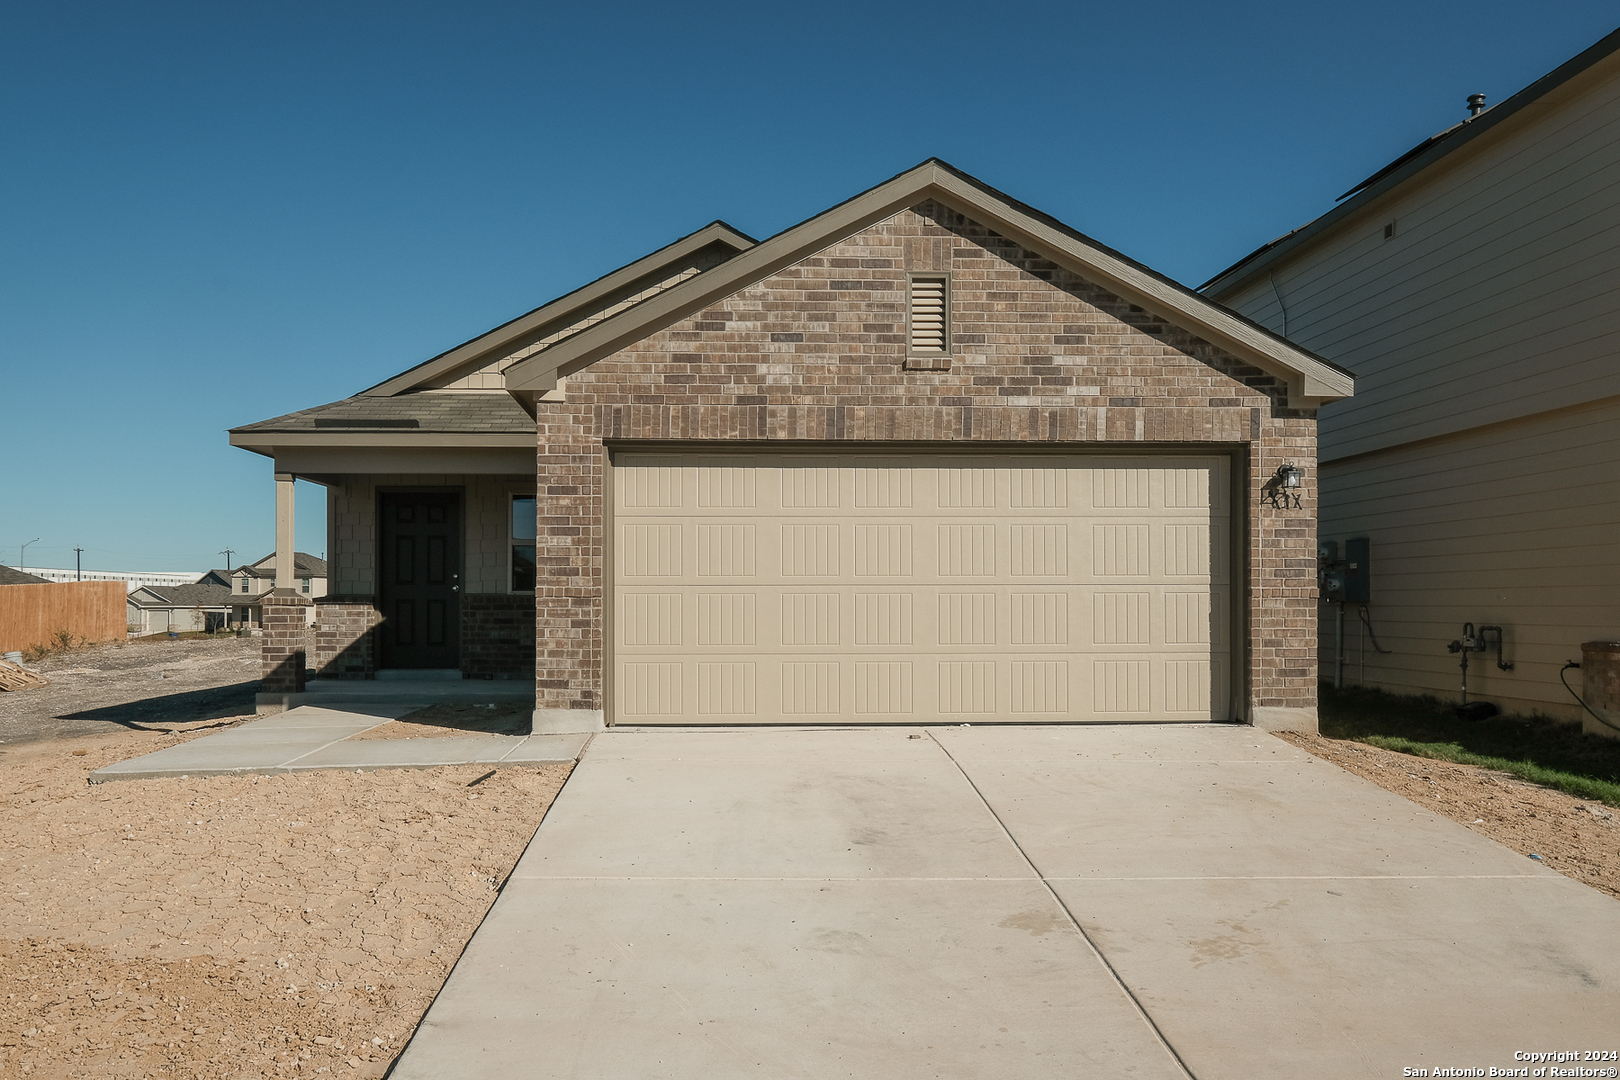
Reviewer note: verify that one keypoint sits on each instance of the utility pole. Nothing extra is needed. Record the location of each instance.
(22, 549)
(228, 552)
(78, 564)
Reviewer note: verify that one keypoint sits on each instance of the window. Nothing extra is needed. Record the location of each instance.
(244, 584)
(522, 542)
(305, 584)
(929, 332)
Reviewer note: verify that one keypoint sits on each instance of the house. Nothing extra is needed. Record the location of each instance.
(156, 609)
(1470, 285)
(249, 582)
(930, 455)
(10, 576)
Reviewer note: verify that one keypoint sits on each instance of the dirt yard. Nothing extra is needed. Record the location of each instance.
(238, 926)
(126, 685)
(301, 925)
(1578, 838)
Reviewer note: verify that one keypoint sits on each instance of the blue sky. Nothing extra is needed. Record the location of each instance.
(213, 214)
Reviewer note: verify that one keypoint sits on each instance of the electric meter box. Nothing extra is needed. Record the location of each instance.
(1358, 570)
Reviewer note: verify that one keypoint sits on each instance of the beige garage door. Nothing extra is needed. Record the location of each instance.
(919, 588)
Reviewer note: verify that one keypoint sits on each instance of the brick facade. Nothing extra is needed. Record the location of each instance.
(286, 643)
(816, 354)
(497, 636)
(343, 638)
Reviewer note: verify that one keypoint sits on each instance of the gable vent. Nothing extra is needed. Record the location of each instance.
(928, 315)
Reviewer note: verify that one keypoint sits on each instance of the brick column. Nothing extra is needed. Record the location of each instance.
(286, 644)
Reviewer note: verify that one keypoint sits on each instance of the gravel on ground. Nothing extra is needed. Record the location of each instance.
(127, 685)
(1577, 837)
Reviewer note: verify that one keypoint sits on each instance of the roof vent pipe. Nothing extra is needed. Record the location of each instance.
(1476, 104)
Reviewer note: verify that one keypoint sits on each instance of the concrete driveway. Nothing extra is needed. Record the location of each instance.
(1027, 902)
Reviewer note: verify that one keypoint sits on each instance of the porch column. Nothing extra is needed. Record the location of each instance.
(285, 581)
(286, 620)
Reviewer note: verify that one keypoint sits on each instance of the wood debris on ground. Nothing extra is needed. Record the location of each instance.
(17, 677)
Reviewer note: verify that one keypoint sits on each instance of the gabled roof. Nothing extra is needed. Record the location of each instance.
(1425, 155)
(181, 596)
(1309, 376)
(10, 576)
(304, 565)
(559, 313)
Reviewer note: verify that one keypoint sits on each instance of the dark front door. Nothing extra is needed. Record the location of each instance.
(419, 571)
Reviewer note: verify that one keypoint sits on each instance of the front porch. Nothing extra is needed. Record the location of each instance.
(431, 574)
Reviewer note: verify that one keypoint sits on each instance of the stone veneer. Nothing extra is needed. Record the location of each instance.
(815, 356)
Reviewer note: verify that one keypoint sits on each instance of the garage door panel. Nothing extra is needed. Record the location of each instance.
(835, 589)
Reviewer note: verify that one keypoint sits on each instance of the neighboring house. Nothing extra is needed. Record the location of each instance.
(155, 609)
(9, 576)
(930, 456)
(248, 584)
(1471, 286)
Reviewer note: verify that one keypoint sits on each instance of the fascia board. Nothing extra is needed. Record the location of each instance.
(266, 442)
(1307, 376)
(561, 308)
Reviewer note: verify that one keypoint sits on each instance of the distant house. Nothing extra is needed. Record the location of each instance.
(154, 609)
(9, 576)
(248, 584)
(1471, 286)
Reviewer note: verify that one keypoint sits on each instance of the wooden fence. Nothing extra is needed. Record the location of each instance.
(36, 614)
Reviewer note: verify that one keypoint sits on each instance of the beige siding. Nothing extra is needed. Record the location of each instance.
(352, 528)
(1493, 300)
(916, 588)
(1516, 525)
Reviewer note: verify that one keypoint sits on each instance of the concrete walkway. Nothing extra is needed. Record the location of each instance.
(308, 738)
(1023, 903)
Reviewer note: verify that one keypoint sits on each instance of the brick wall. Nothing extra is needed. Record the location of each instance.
(344, 637)
(816, 354)
(497, 636)
(285, 647)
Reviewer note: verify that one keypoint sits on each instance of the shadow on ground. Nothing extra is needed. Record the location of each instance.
(213, 703)
(1357, 712)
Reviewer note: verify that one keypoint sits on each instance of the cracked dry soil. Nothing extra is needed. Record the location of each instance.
(238, 926)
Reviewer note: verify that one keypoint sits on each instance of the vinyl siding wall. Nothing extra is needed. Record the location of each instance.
(1481, 452)
(1516, 525)
(1493, 300)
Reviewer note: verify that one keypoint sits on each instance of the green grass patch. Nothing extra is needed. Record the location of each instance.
(1537, 749)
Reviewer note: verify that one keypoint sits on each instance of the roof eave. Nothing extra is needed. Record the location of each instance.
(1394, 175)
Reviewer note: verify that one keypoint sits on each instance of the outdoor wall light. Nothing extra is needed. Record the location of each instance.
(1282, 490)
